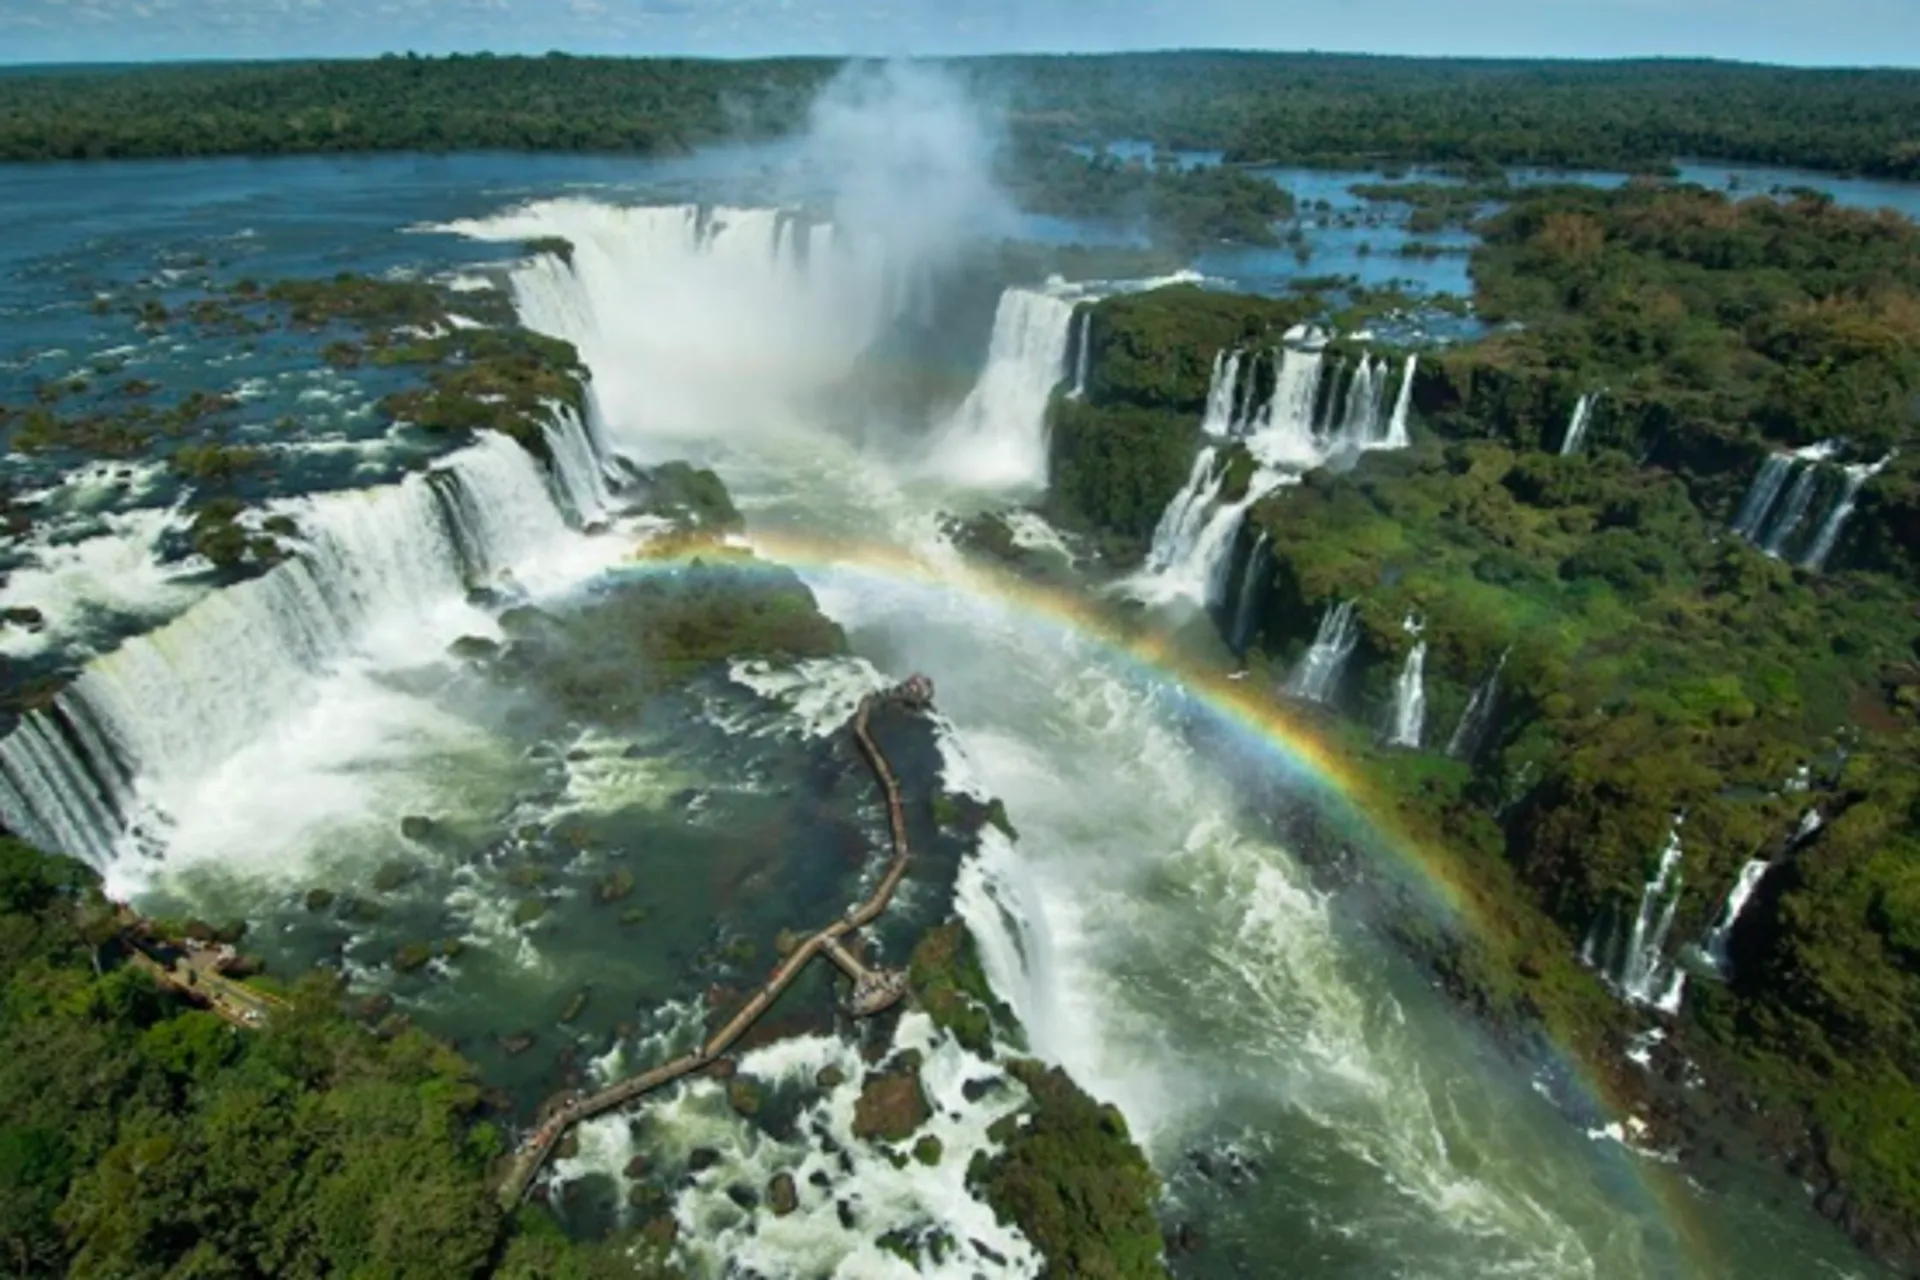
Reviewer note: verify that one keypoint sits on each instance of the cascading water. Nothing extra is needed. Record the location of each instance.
(1477, 717)
(106, 766)
(1245, 610)
(1714, 945)
(1793, 512)
(1082, 345)
(1843, 505)
(1317, 675)
(1397, 434)
(997, 438)
(1223, 387)
(1640, 972)
(1193, 543)
(1577, 425)
(1761, 494)
(1409, 692)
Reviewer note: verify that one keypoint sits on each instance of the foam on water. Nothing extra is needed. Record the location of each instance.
(113, 576)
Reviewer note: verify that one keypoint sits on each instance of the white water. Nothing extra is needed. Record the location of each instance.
(1642, 973)
(1192, 547)
(1410, 694)
(997, 439)
(1319, 411)
(1836, 519)
(1577, 425)
(1477, 715)
(1397, 434)
(1316, 678)
(1793, 512)
(1222, 415)
(139, 743)
(1714, 945)
(1761, 494)
(1083, 344)
(1253, 575)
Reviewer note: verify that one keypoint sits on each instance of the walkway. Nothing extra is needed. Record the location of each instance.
(874, 990)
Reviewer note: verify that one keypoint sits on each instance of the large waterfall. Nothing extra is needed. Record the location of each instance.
(102, 770)
(997, 439)
(1714, 945)
(1410, 693)
(1316, 677)
(1318, 409)
(1577, 425)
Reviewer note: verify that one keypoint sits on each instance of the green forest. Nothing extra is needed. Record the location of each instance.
(1286, 108)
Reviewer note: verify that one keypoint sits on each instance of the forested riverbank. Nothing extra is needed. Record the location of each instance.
(1305, 109)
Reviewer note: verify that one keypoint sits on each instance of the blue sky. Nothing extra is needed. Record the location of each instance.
(1878, 32)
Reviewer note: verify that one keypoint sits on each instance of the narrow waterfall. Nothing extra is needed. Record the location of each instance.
(1577, 425)
(1836, 518)
(1362, 424)
(1246, 607)
(1410, 693)
(1083, 341)
(997, 438)
(140, 725)
(1397, 436)
(1192, 548)
(1761, 494)
(1714, 945)
(1478, 715)
(1793, 512)
(1642, 974)
(1317, 676)
(1223, 395)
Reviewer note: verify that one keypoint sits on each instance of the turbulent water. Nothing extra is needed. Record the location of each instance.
(1310, 1102)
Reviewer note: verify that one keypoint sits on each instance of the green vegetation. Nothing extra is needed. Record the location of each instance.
(1180, 209)
(143, 1137)
(1069, 1176)
(1289, 108)
(952, 990)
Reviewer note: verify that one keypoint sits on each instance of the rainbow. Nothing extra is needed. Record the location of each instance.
(1306, 753)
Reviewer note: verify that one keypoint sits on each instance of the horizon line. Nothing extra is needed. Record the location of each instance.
(1463, 59)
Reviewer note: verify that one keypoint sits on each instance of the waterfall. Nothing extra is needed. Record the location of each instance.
(1397, 436)
(1836, 519)
(1317, 676)
(1083, 341)
(1192, 545)
(1793, 513)
(580, 478)
(96, 772)
(997, 438)
(1577, 425)
(1361, 425)
(1714, 945)
(1409, 693)
(1245, 609)
(1478, 715)
(1761, 494)
(1642, 974)
(1223, 395)
(1287, 433)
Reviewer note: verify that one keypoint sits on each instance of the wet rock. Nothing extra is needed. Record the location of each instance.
(746, 1096)
(529, 910)
(744, 1196)
(830, 1077)
(844, 1208)
(474, 648)
(891, 1106)
(722, 1069)
(636, 1167)
(416, 826)
(575, 1004)
(645, 1195)
(1184, 1239)
(987, 1254)
(614, 886)
(578, 754)
(319, 899)
(518, 1043)
(782, 1196)
(974, 1090)
(633, 915)
(701, 1159)
(820, 1178)
(374, 1007)
(928, 1150)
(412, 956)
(393, 875)
(661, 1232)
